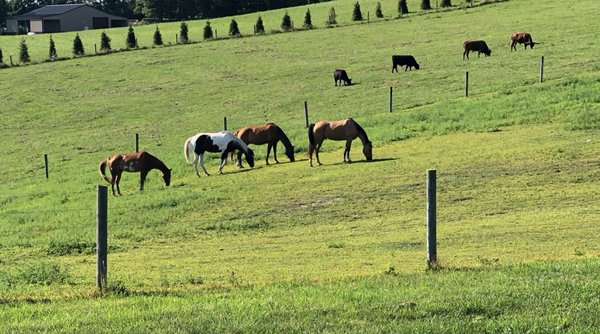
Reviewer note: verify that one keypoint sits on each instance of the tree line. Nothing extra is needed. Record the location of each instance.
(158, 10)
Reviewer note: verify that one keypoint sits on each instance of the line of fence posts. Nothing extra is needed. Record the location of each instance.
(431, 217)
(46, 164)
(306, 113)
(542, 69)
(101, 237)
(467, 83)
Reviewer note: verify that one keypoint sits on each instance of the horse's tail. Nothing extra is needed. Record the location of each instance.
(311, 134)
(186, 149)
(102, 169)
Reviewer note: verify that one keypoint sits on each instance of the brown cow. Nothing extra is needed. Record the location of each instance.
(478, 46)
(521, 38)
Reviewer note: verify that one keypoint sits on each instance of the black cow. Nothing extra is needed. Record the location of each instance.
(341, 75)
(404, 60)
(478, 46)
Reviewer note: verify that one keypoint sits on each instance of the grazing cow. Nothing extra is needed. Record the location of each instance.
(478, 46)
(521, 38)
(404, 60)
(341, 75)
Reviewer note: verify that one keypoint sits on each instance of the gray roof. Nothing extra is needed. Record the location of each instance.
(50, 10)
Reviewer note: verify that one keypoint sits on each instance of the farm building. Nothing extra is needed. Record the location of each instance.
(59, 18)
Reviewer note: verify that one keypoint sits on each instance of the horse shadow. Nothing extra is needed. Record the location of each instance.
(362, 161)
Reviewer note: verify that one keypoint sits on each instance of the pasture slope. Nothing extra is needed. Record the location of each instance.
(336, 248)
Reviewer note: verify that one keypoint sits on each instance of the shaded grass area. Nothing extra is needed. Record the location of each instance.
(555, 296)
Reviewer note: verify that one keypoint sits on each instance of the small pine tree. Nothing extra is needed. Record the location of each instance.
(208, 34)
(425, 5)
(402, 7)
(446, 3)
(183, 33)
(307, 20)
(104, 42)
(23, 52)
(234, 30)
(157, 37)
(286, 22)
(52, 49)
(78, 46)
(332, 19)
(131, 40)
(259, 28)
(378, 11)
(356, 13)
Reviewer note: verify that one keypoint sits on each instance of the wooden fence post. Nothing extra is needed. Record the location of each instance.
(216, 36)
(467, 83)
(176, 39)
(102, 237)
(391, 92)
(95, 48)
(542, 70)
(46, 164)
(137, 142)
(431, 217)
(11, 63)
(368, 20)
(306, 113)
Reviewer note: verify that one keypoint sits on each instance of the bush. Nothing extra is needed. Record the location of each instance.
(131, 41)
(43, 273)
(307, 20)
(104, 42)
(402, 7)
(234, 30)
(332, 19)
(157, 39)
(52, 49)
(357, 14)
(208, 33)
(78, 49)
(378, 11)
(286, 22)
(259, 28)
(24, 52)
(425, 5)
(446, 3)
(183, 33)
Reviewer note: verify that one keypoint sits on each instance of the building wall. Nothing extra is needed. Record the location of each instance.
(81, 18)
(12, 26)
(36, 25)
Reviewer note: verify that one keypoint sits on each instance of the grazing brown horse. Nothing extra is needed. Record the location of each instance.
(346, 129)
(269, 134)
(141, 162)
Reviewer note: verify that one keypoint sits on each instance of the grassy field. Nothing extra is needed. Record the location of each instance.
(336, 248)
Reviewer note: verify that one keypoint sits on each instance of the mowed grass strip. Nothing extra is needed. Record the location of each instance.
(554, 296)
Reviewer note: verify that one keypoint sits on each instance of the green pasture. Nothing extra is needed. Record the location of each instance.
(335, 248)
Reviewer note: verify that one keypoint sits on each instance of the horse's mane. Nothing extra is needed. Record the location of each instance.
(284, 139)
(360, 130)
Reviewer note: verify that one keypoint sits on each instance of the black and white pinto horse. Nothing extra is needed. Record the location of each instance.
(223, 142)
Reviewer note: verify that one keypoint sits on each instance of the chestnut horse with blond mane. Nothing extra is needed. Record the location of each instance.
(141, 162)
(346, 129)
(269, 134)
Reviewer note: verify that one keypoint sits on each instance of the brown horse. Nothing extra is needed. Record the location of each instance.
(141, 162)
(346, 129)
(269, 134)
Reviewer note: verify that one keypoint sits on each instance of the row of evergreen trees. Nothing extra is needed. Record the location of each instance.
(234, 31)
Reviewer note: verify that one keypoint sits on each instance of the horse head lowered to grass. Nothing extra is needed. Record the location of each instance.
(269, 134)
(221, 142)
(141, 162)
(346, 129)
